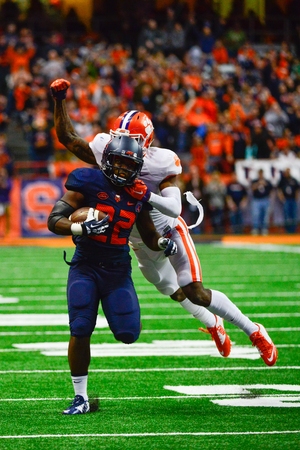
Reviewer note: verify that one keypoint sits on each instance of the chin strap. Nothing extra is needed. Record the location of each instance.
(191, 199)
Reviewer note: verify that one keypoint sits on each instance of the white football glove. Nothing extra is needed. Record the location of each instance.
(92, 226)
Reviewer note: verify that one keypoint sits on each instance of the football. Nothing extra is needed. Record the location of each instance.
(80, 215)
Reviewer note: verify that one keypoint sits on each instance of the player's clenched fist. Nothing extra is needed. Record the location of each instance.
(59, 88)
(139, 191)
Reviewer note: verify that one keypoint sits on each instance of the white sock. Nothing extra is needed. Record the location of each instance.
(80, 385)
(223, 307)
(199, 312)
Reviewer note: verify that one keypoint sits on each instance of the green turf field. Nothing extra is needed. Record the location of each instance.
(169, 390)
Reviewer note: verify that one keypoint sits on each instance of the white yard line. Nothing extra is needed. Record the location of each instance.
(34, 308)
(265, 294)
(42, 298)
(186, 316)
(57, 319)
(104, 435)
(171, 331)
(161, 397)
(136, 352)
(37, 289)
(170, 305)
(260, 247)
(179, 369)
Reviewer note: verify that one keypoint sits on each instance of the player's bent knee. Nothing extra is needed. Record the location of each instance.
(167, 290)
(178, 296)
(81, 327)
(127, 337)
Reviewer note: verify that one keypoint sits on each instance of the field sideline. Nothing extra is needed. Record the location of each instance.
(169, 390)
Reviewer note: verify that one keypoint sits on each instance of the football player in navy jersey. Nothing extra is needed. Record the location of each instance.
(181, 276)
(101, 266)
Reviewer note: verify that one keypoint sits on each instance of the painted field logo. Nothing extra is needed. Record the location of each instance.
(254, 395)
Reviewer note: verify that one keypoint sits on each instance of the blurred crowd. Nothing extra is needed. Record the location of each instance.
(214, 98)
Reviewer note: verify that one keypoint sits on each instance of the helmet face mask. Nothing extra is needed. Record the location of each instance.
(135, 124)
(123, 170)
(122, 160)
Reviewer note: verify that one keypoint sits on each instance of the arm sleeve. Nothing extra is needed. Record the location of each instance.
(169, 203)
(98, 145)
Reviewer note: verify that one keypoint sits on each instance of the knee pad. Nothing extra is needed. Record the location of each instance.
(126, 337)
(81, 327)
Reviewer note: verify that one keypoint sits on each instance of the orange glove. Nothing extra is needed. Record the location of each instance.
(59, 88)
(139, 191)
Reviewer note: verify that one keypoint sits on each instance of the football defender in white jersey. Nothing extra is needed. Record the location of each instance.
(180, 275)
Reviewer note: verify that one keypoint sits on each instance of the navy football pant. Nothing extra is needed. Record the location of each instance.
(87, 285)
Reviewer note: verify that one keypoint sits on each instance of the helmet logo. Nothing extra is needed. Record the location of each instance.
(146, 121)
(148, 128)
(177, 161)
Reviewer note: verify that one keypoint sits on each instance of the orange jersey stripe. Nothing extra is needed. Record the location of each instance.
(190, 249)
(196, 259)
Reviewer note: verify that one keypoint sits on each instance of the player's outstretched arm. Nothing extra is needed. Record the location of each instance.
(63, 125)
(169, 202)
(151, 237)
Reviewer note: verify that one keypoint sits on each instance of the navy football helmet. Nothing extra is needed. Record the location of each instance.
(122, 160)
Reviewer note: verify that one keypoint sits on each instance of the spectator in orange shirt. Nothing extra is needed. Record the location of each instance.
(21, 94)
(282, 70)
(19, 57)
(219, 147)
(192, 80)
(5, 158)
(202, 110)
(196, 116)
(4, 117)
(179, 104)
(236, 110)
(220, 53)
(118, 53)
(198, 153)
(285, 140)
(207, 99)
